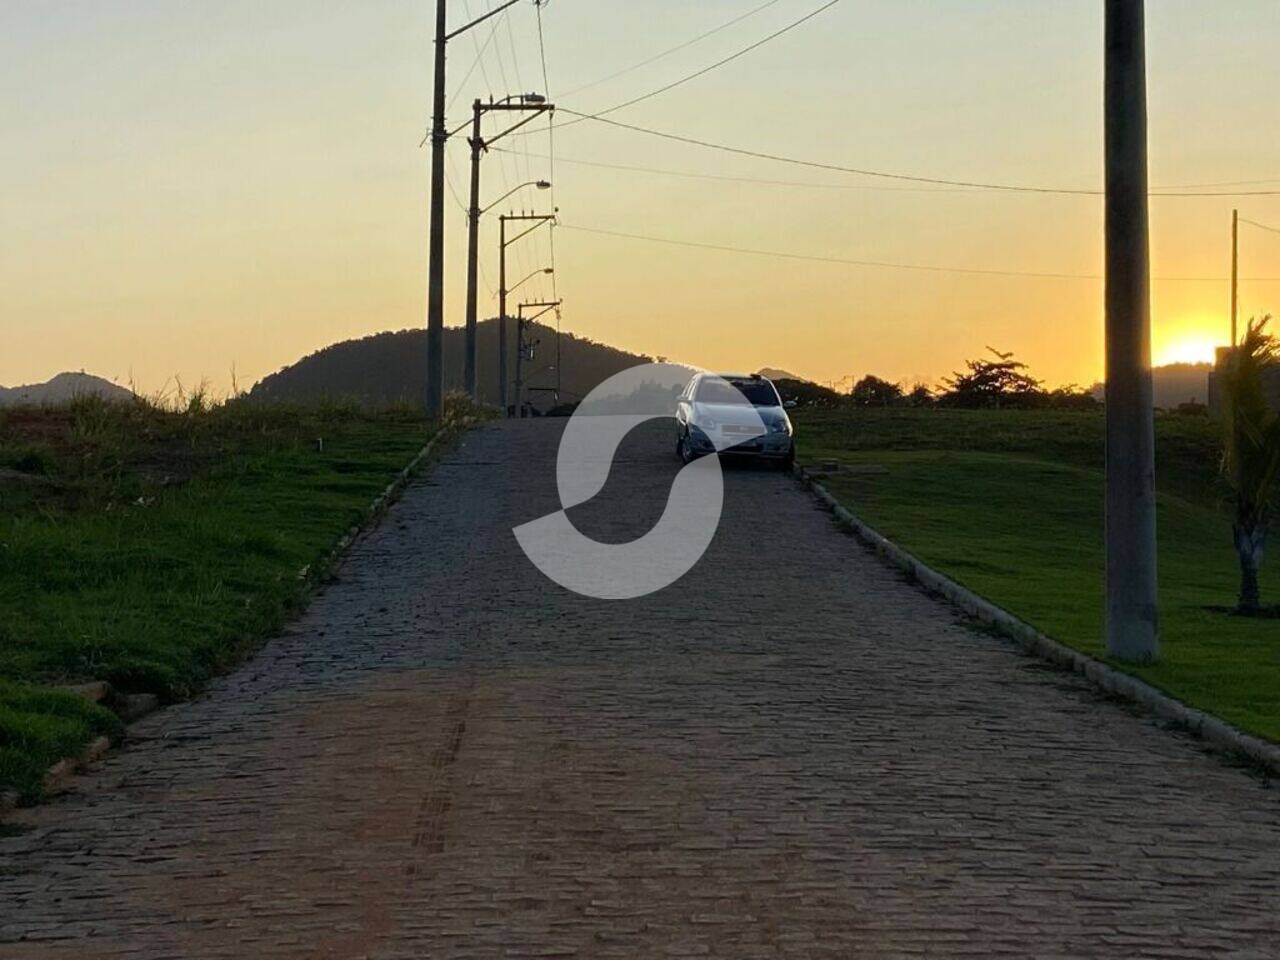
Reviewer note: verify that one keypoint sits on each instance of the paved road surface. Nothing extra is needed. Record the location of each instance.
(791, 753)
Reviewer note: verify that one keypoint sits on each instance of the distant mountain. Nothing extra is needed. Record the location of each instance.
(775, 374)
(1174, 384)
(392, 367)
(60, 389)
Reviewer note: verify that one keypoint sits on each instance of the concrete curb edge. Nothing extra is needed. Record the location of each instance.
(1213, 730)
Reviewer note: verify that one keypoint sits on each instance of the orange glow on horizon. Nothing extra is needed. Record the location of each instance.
(1190, 347)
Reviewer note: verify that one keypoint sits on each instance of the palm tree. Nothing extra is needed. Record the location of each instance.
(1251, 454)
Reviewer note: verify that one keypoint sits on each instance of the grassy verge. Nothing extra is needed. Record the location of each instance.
(1010, 505)
(153, 548)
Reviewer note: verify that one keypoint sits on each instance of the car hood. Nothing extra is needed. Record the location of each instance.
(738, 414)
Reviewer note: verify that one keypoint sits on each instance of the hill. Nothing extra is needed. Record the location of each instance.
(60, 389)
(1173, 384)
(775, 374)
(392, 367)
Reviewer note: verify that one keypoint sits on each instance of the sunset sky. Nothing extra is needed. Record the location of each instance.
(192, 186)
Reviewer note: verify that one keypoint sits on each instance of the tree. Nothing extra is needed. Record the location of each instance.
(993, 383)
(920, 396)
(1251, 451)
(871, 391)
(1071, 397)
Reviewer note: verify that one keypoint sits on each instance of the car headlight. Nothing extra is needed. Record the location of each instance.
(779, 426)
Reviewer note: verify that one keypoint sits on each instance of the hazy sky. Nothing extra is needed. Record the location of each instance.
(196, 185)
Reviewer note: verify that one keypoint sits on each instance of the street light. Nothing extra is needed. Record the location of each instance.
(435, 269)
(535, 220)
(540, 184)
(532, 105)
(542, 307)
(530, 277)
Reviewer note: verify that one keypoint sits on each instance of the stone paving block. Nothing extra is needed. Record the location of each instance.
(789, 753)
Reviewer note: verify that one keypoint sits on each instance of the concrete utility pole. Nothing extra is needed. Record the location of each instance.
(536, 104)
(435, 277)
(503, 350)
(1132, 615)
(545, 306)
(1235, 273)
(435, 270)
(473, 253)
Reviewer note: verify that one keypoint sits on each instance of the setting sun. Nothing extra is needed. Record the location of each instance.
(1187, 348)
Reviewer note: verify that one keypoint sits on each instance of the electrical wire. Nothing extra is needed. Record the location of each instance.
(703, 71)
(1260, 226)
(884, 264)
(665, 53)
(480, 49)
(760, 180)
(883, 174)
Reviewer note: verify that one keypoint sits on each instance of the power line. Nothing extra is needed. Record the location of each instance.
(705, 70)
(480, 49)
(891, 265)
(759, 180)
(678, 47)
(767, 181)
(881, 174)
(1260, 226)
(785, 255)
(1222, 183)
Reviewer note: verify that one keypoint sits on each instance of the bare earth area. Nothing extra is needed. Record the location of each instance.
(789, 753)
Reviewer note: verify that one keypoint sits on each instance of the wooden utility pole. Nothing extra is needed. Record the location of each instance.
(1235, 273)
(1132, 615)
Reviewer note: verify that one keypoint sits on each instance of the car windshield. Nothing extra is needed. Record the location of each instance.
(758, 393)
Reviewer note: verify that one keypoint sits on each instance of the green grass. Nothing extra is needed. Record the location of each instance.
(1010, 505)
(154, 548)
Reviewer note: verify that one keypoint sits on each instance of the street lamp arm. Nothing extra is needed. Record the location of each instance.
(540, 184)
(530, 277)
(479, 20)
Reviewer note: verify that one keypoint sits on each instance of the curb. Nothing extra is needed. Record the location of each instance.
(133, 707)
(1215, 731)
(380, 503)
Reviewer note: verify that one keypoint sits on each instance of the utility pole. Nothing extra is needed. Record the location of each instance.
(435, 281)
(1235, 272)
(473, 239)
(545, 305)
(502, 314)
(1132, 614)
(536, 104)
(538, 220)
(435, 269)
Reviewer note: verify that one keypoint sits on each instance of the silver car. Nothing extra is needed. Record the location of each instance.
(724, 412)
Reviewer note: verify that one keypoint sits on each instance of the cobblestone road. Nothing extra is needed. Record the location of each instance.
(790, 753)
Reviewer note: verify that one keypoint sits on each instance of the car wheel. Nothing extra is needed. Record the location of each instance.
(787, 463)
(685, 449)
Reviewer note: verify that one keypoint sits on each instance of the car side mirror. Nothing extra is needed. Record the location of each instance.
(789, 404)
